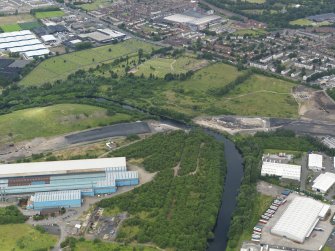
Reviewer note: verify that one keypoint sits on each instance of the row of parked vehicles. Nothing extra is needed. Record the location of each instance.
(257, 231)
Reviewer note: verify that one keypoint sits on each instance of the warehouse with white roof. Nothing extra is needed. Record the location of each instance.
(324, 182)
(286, 171)
(24, 42)
(315, 162)
(300, 218)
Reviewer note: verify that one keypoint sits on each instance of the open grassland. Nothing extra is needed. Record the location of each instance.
(10, 27)
(261, 204)
(105, 246)
(60, 67)
(251, 32)
(24, 237)
(54, 120)
(13, 19)
(306, 22)
(159, 67)
(29, 25)
(258, 95)
(96, 4)
(48, 14)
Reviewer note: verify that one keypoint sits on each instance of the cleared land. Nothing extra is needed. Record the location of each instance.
(251, 32)
(48, 14)
(256, 1)
(159, 67)
(13, 19)
(60, 67)
(24, 237)
(53, 120)
(10, 27)
(258, 95)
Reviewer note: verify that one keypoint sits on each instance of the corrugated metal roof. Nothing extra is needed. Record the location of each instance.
(315, 160)
(20, 43)
(299, 219)
(41, 52)
(56, 196)
(27, 48)
(60, 167)
(15, 33)
(16, 39)
(283, 170)
(324, 182)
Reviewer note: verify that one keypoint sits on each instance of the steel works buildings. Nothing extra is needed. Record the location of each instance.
(56, 183)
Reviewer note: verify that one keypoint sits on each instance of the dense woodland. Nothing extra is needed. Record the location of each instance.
(177, 209)
(252, 149)
(11, 215)
(276, 13)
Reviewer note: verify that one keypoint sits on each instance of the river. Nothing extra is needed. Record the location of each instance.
(232, 183)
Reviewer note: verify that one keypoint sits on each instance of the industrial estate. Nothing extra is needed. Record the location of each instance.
(150, 125)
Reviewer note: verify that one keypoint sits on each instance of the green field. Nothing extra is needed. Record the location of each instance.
(48, 14)
(10, 27)
(261, 204)
(96, 4)
(159, 67)
(53, 120)
(24, 237)
(60, 67)
(29, 25)
(251, 32)
(259, 95)
(306, 22)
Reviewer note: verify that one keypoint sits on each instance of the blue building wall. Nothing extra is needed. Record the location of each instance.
(57, 204)
(128, 182)
(103, 190)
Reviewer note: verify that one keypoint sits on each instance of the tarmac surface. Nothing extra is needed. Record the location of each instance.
(123, 129)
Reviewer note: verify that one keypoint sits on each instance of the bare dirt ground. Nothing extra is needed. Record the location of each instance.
(314, 104)
(269, 189)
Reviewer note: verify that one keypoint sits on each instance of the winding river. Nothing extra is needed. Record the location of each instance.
(232, 183)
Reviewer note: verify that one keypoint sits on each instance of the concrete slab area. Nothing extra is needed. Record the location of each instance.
(313, 243)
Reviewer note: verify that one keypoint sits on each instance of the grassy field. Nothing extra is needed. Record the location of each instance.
(96, 5)
(13, 19)
(60, 67)
(260, 206)
(53, 120)
(24, 237)
(251, 32)
(306, 22)
(10, 27)
(259, 95)
(29, 25)
(159, 67)
(104, 246)
(48, 14)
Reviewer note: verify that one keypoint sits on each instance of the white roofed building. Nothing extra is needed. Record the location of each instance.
(282, 170)
(49, 39)
(300, 218)
(315, 162)
(324, 182)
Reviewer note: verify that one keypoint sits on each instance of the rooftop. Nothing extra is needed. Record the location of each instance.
(57, 196)
(280, 169)
(324, 182)
(315, 160)
(60, 167)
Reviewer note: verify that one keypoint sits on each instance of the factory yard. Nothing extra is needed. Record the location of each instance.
(317, 238)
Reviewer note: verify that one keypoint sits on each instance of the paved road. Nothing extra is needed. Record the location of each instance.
(123, 129)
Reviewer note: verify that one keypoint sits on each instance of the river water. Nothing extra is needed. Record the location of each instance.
(232, 183)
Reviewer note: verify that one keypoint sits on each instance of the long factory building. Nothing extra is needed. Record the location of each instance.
(24, 42)
(60, 178)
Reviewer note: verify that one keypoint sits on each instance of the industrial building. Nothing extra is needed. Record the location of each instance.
(23, 42)
(315, 162)
(195, 22)
(324, 182)
(300, 218)
(104, 35)
(282, 170)
(90, 176)
(58, 199)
